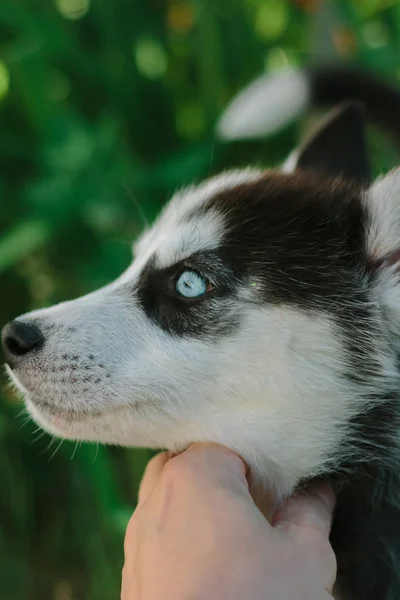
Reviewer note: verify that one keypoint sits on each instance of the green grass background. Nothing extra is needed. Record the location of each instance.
(105, 108)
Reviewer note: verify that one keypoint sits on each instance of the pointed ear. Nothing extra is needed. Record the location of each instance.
(383, 212)
(338, 148)
(382, 205)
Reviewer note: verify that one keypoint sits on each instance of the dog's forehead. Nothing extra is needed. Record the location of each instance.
(191, 199)
(183, 228)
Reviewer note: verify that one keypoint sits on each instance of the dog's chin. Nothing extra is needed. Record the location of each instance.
(133, 426)
(117, 425)
(68, 416)
(67, 424)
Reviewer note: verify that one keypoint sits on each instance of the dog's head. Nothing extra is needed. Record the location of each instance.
(259, 312)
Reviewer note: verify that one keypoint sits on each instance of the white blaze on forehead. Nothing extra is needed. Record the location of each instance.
(179, 232)
(200, 233)
(177, 241)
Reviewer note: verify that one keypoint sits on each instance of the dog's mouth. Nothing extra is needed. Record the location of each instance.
(66, 422)
(63, 413)
(55, 400)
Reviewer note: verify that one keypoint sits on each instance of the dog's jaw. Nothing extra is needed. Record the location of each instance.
(265, 368)
(261, 408)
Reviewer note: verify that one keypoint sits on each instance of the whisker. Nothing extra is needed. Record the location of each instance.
(38, 437)
(140, 210)
(107, 349)
(56, 450)
(53, 438)
(26, 421)
(97, 452)
(75, 449)
(112, 392)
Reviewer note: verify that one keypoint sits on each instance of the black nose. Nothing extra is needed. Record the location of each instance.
(18, 338)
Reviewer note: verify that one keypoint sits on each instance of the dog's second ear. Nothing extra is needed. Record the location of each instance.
(338, 148)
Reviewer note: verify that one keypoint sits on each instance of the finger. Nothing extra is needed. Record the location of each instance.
(222, 451)
(151, 475)
(207, 466)
(212, 460)
(310, 510)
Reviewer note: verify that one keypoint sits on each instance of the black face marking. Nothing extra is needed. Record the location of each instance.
(338, 149)
(206, 316)
(300, 238)
(303, 238)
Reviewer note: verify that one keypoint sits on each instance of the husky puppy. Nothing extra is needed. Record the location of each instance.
(261, 311)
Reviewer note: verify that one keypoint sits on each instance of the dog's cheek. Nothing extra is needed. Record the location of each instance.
(278, 396)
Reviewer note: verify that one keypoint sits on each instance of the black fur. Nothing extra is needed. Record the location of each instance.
(339, 149)
(300, 238)
(305, 238)
(209, 316)
(366, 528)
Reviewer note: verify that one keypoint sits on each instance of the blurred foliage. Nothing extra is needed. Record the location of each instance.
(105, 108)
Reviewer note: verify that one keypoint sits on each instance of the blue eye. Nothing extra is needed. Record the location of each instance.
(191, 285)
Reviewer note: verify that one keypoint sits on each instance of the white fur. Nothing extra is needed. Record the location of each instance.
(274, 391)
(265, 106)
(179, 240)
(246, 392)
(383, 239)
(175, 236)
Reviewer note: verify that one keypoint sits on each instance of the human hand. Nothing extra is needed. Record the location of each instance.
(196, 534)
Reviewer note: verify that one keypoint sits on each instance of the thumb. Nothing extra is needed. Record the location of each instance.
(310, 510)
(151, 475)
(212, 466)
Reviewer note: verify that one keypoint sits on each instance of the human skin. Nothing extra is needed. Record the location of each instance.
(196, 534)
